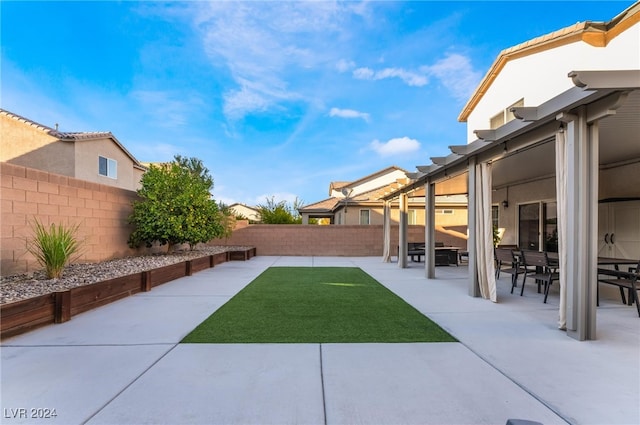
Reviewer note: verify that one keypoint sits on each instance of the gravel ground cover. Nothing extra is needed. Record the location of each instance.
(27, 285)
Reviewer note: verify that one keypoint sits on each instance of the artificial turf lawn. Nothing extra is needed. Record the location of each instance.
(313, 305)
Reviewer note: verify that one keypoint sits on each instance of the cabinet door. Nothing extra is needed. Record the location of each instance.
(605, 248)
(625, 226)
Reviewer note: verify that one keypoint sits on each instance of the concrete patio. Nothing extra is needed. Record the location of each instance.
(123, 364)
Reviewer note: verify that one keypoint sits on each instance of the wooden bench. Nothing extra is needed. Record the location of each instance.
(624, 280)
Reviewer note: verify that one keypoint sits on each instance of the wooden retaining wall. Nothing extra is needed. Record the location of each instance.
(58, 307)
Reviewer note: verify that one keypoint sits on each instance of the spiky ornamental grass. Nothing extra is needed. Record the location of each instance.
(54, 247)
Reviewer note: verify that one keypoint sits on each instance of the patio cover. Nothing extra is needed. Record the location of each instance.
(598, 94)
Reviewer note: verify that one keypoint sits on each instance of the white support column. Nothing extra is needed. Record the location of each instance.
(430, 229)
(386, 233)
(474, 287)
(402, 232)
(582, 228)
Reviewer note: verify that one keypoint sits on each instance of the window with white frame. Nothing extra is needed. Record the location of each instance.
(504, 116)
(364, 217)
(412, 217)
(108, 167)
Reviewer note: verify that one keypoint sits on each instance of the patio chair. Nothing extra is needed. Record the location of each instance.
(507, 262)
(538, 267)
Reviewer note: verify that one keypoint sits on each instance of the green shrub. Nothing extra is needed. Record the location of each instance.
(176, 206)
(54, 247)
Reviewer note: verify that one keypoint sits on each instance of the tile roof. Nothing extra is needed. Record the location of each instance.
(326, 205)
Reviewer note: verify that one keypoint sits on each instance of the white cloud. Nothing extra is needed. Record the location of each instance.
(408, 77)
(268, 43)
(344, 65)
(396, 146)
(165, 108)
(348, 113)
(456, 74)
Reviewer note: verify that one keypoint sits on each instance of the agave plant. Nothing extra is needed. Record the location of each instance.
(54, 247)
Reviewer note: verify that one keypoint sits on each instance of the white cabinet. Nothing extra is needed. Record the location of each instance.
(619, 229)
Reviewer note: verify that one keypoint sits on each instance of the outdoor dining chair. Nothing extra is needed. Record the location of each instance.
(538, 268)
(507, 262)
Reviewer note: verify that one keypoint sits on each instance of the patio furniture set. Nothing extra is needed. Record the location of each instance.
(543, 267)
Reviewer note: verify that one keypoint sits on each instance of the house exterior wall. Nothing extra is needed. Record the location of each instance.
(26, 145)
(244, 211)
(101, 212)
(526, 193)
(550, 77)
(86, 163)
(615, 183)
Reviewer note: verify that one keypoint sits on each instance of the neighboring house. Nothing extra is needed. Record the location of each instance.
(553, 148)
(359, 203)
(250, 213)
(92, 156)
(356, 202)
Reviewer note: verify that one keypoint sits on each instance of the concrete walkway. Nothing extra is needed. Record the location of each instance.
(123, 364)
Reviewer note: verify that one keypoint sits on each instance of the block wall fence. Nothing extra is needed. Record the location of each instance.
(102, 211)
(337, 240)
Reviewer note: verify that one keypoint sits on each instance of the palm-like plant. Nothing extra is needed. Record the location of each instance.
(54, 247)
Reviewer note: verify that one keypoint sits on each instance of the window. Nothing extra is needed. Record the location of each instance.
(494, 216)
(504, 116)
(444, 211)
(364, 217)
(108, 167)
(412, 217)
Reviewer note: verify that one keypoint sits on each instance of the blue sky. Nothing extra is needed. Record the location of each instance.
(278, 99)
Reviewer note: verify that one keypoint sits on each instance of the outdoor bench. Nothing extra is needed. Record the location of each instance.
(623, 280)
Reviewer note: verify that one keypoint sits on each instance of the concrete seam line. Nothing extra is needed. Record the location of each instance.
(522, 387)
(129, 384)
(324, 400)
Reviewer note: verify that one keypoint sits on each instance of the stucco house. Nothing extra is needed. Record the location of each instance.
(553, 143)
(97, 157)
(246, 211)
(357, 202)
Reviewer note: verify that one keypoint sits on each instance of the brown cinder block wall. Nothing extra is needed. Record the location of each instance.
(100, 211)
(337, 240)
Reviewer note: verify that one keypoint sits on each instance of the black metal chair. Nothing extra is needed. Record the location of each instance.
(538, 267)
(507, 262)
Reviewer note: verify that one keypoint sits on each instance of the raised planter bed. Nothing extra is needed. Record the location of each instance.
(58, 307)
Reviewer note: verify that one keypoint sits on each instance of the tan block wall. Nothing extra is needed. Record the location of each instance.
(101, 212)
(306, 240)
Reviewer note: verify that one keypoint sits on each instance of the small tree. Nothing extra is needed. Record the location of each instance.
(280, 212)
(176, 205)
(227, 219)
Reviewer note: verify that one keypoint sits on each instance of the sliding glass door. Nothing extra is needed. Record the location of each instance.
(538, 226)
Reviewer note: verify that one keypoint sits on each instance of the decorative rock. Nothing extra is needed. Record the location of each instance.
(32, 284)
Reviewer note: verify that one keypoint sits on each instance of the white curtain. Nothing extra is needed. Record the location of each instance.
(386, 230)
(561, 187)
(484, 236)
